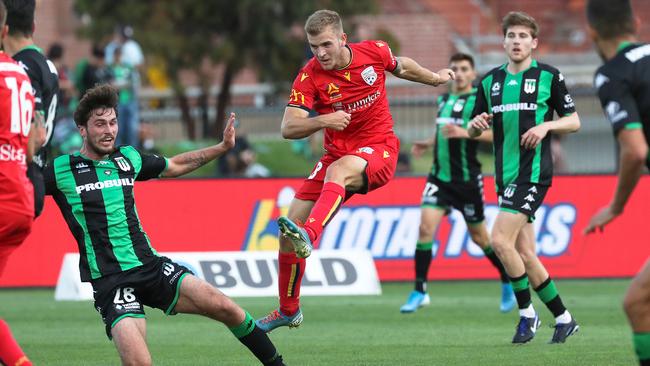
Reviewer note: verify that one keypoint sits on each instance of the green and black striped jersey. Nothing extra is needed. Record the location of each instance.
(623, 85)
(97, 202)
(454, 160)
(518, 103)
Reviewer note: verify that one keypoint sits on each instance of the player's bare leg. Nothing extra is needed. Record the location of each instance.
(199, 297)
(129, 336)
(430, 218)
(637, 308)
(291, 271)
(540, 280)
(479, 234)
(504, 236)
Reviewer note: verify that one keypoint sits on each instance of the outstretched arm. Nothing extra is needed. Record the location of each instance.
(189, 161)
(408, 69)
(633, 155)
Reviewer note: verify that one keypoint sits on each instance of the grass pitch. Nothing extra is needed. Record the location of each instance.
(462, 326)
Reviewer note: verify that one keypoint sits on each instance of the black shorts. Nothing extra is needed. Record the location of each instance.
(465, 197)
(523, 197)
(35, 175)
(124, 294)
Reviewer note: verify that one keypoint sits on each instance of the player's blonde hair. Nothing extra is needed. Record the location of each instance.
(321, 19)
(520, 18)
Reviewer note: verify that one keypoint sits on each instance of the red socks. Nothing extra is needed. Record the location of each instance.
(330, 200)
(290, 275)
(10, 352)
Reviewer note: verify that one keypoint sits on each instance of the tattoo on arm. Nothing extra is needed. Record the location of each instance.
(193, 159)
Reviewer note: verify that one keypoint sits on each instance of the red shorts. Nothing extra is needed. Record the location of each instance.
(381, 159)
(14, 228)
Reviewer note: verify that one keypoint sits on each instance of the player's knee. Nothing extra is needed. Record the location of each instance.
(528, 256)
(479, 238)
(634, 304)
(426, 230)
(142, 358)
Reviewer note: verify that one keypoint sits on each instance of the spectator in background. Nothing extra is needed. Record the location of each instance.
(241, 161)
(66, 138)
(92, 71)
(131, 50)
(125, 80)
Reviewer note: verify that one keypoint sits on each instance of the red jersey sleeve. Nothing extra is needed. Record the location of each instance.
(303, 92)
(387, 58)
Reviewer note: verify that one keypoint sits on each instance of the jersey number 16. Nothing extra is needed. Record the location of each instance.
(22, 108)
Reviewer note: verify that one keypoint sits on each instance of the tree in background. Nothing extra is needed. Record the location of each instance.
(265, 35)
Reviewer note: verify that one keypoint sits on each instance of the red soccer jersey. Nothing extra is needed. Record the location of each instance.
(358, 89)
(16, 111)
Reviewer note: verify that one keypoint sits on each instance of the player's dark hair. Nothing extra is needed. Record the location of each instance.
(462, 57)
(20, 17)
(519, 18)
(96, 100)
(321, 19)
(611, 19)
(3, 14)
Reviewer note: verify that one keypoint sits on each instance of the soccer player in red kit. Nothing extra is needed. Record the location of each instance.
(345, 84)
(16, 191)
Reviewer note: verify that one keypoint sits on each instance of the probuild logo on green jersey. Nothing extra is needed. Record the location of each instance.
(500, 108)
(105, 184)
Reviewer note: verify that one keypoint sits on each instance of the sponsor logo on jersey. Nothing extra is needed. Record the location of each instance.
(526, 206)
(638, 53)
(347, 75)
(450, 121)
(104, 162)
(296, 97)
(359, 105)
(529, 198)
(500, 108)
(81, 165)
(386, 154)
(105, 184)
(560, 77)
(530, 86)
(568, 101)
(614, 112)
(334, 91)
(496, 88)
(303, 77)
(11, 153)
(107, 172)
(513, 82)
(369, 75)
(366, 150)
(599, 80)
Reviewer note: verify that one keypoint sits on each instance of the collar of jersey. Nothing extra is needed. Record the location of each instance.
(32, 47)
(533, 64)
(623, 45)
(351, 58)
(88, 158)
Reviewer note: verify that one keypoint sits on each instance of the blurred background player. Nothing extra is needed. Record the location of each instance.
(455, 181)
(16, 191)
(623, 84)
(345, 84)
(94, 191)
(517, 100)
(45, 81)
